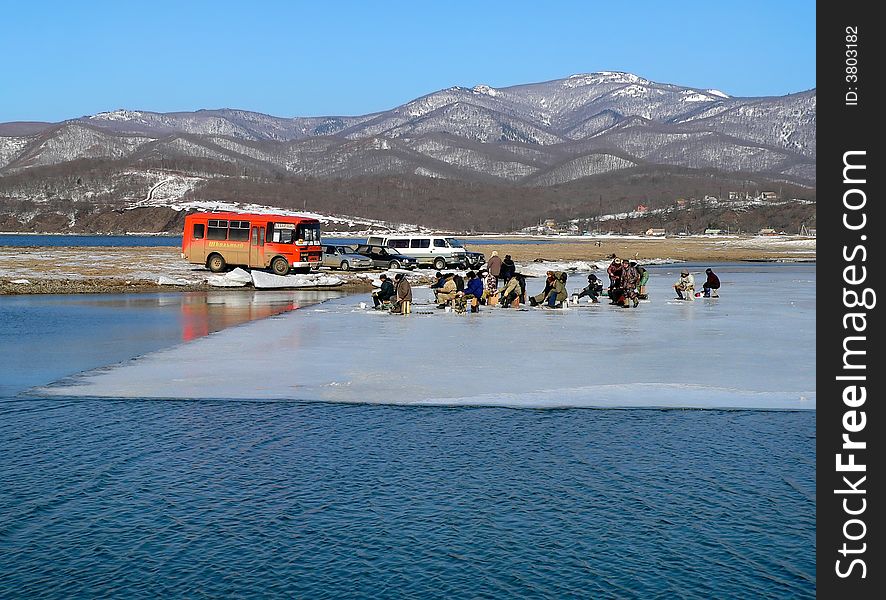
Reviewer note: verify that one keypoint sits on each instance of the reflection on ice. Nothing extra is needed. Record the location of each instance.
(745, 350)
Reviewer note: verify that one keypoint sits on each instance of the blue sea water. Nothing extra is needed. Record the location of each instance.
(297, 499)
(23, 240)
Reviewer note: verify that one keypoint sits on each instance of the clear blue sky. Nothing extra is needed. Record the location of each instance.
(66, 59)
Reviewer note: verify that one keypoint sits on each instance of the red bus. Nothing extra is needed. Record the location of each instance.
(226, 239)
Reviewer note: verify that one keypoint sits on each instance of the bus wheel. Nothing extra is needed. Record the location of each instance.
(344, 266)
(216, 263)
(439, 264)
(279, 266)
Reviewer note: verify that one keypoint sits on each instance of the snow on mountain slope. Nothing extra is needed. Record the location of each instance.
(549, 129)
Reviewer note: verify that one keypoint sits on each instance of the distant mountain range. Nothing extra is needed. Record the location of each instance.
(557, 135)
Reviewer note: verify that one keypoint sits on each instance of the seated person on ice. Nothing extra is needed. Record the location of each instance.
(474, 291)
(385, 293)
(593, 289)
(439, 280)
(557, 294)
(685, 286)
(510, 296)
(549, 283)
(446, 292)
(711, 285)
(403, 290)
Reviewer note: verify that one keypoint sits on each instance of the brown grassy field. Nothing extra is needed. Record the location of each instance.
(60, 270)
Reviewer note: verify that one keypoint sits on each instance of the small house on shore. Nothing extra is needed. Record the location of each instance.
(655, 231)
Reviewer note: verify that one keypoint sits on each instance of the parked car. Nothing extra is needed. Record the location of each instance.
(437, 251)
(344, 258)
(474, 260)
(386, 258)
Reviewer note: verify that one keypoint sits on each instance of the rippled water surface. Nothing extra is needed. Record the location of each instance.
(177, 498)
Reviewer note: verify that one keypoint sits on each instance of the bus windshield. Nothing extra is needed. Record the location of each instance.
(308, 233)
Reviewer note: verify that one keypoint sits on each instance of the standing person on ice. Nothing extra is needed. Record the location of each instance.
(685, 286)
(508, 268)
(494, 266)
(644, 279)
(630, 278)
(491, 285)
(615, 290)
(711, 285)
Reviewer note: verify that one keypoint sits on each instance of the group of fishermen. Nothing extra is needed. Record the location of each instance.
(627, 282)
(627, 286)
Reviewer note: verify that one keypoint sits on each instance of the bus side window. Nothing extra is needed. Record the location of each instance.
(218, 230)
(239, 231)
(199, 231)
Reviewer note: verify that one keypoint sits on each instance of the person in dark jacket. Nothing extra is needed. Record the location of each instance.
(385, 293)
(711, 285)
(593, 289)
(616, 293)
(439, 280)
(508, 268)
(474, 291)
(459, 282)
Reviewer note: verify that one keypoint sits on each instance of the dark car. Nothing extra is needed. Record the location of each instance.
(474, 260)
(386, 258)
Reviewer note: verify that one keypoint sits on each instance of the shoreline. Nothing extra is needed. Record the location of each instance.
(136, 269)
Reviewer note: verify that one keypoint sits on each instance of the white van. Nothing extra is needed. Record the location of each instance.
(435, 250)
